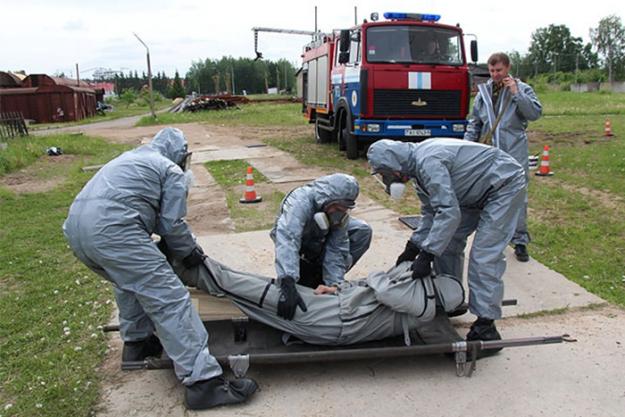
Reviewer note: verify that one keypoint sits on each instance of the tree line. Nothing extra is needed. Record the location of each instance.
(226, 75)
(554, 49)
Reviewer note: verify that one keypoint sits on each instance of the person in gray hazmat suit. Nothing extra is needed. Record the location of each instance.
(109, 228)
(463, 187)
(385, 304)
(316, 240)
(507, 104)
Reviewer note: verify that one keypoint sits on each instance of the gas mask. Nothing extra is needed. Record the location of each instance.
(338, 219)
(394, 185)
(334, 220)
(185, 162)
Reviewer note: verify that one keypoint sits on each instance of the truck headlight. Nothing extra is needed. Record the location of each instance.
(374, 128)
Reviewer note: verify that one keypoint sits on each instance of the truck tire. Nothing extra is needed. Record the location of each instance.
(350, 141)
(322, 135)
(340, 136)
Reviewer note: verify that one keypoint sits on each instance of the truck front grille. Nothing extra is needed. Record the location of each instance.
(416, 103)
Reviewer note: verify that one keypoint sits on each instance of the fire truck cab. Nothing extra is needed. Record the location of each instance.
(403, 78)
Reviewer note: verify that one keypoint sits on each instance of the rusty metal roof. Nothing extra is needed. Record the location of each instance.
(8, 79)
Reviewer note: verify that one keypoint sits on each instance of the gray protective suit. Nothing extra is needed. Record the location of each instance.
(110, 222)
(296, 234)
(510, 134)
(463, 187)
(384, 304)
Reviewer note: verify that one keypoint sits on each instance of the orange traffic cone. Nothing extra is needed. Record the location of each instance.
(607, 129)
(544, 171)
(250, 194)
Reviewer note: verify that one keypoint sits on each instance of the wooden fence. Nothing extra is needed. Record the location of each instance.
(11, 125)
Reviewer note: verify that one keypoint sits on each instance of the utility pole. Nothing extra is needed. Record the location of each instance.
(576, 68)
(286, 84)
(77, 76)
(232, 72)
(149, 76)
(555, 65)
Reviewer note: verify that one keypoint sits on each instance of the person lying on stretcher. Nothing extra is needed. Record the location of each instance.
(384, 304)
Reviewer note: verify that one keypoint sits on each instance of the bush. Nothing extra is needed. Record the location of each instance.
(128, 97)
(144, 97)
(564, 79)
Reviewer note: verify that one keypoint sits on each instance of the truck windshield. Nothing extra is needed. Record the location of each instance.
(413, 44)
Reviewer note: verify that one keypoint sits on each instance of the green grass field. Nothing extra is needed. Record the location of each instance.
(246, 217)
(51, 305)
(253, 114)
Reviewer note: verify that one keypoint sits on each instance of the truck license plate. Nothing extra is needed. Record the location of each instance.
(418, 132)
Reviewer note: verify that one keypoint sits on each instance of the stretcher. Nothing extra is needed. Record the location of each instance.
(386, 315)
(240, 342)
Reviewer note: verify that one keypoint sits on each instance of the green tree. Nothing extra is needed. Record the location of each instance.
(210, 76)
(609, 39)
(554, 49)
(177, 90)
(128, 97)
(521, 66)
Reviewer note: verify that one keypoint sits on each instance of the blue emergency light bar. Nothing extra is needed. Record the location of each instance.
(412, 16)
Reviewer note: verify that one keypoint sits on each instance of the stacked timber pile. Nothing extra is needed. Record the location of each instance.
(212, 102)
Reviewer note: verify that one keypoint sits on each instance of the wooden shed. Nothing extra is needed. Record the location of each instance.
(46, 99)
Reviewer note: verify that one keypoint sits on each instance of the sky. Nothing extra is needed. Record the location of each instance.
(53, 36)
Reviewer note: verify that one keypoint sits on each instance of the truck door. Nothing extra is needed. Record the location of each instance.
(350, 89)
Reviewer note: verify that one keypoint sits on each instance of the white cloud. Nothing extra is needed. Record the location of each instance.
(74, 25)
(94, 34)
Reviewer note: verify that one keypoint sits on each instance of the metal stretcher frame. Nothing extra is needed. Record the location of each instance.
(241, 342)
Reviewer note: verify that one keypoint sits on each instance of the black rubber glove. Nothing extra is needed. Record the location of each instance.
(409, 254)
(289, 299)
(422, 266)
(195, 258)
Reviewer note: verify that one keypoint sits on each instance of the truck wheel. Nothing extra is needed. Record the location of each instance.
(341, 137)
(351, 143)
(322, 135)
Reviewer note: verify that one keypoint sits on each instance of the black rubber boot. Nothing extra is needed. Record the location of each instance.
(218, 391)
(484, 329)
(520, 251)
(138, 351)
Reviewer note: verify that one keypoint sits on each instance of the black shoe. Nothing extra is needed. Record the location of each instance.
(520, 251)
(218, 391)
(459, 311)
(138, 351)
(485, 330)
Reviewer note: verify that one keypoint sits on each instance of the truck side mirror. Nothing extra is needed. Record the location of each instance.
(474, 50)
(344, 41)
(343, 57)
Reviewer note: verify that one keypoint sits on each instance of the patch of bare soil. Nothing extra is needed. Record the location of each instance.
(31, 180)
(606, 199)
(568, 138)
(200, 134)
(550, 214)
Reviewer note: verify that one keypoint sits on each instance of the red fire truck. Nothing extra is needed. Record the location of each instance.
(404, 78)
